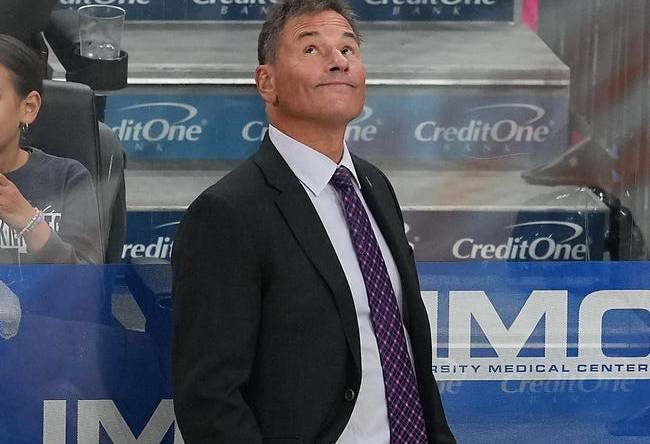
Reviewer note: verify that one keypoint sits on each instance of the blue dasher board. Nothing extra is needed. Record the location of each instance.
(522, 351)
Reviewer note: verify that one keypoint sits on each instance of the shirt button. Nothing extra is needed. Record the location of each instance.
(349, 395)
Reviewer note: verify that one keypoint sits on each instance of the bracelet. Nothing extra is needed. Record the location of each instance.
(36, 219)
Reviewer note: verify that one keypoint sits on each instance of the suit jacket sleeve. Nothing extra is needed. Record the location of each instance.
(216, 292)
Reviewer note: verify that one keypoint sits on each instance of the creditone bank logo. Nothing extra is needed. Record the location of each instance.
(362, 129)
(433, 2)
(568, 386)
(103, 2)
(556, 245)
(139, 128)
(241, 9)
(525, 125)
(161, 248)
(535, 345)
(435, 9)
(235, 2)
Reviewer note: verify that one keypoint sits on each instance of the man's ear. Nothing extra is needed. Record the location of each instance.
(30, 107)
(265, 81)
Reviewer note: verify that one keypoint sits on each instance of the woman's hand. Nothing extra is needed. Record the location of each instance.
(15, 210)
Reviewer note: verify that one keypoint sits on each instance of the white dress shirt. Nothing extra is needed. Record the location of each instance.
(369, 420)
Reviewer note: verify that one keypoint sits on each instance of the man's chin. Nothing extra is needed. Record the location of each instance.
(344, 112)
(330, 115)
(341, 118)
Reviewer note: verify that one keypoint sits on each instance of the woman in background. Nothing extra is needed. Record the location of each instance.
(48, 206)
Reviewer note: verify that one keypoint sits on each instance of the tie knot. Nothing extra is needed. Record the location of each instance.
(342, 178)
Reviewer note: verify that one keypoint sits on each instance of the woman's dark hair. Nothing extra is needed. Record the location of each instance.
(23, 64)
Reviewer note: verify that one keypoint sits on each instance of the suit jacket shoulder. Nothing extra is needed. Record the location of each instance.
(242, 184)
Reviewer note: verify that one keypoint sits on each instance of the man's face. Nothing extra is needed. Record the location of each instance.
(317, 75)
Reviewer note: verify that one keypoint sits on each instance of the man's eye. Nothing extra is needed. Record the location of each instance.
(347, 51)
(310, 50)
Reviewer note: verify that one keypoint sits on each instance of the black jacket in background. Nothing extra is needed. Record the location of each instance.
(24, 19)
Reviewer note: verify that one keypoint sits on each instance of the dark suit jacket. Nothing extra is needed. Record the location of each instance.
(266, 342)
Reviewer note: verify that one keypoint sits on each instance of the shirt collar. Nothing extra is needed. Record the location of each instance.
(312, 168)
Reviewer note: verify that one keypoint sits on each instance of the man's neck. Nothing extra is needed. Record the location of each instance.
(327, 141)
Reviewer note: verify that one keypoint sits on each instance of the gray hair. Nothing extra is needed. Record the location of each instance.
(267, 42)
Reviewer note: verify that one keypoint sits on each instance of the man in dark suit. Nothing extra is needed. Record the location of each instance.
(297, 309)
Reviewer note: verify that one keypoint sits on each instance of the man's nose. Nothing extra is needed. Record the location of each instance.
(338, 61)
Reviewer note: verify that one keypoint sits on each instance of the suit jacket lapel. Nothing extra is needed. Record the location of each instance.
(304, 222)
(391, 229)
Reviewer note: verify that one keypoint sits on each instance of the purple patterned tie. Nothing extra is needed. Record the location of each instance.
(404, 409)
